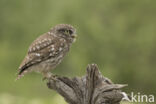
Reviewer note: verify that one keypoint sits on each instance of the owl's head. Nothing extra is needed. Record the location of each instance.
(65, 31)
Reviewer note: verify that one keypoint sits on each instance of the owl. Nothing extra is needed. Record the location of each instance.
(48, 50)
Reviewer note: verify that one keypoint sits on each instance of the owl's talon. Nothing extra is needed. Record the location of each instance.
(53, 77)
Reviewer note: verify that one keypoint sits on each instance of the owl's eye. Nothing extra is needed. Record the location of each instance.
(70, 32)
(65, 31)
(62, 30)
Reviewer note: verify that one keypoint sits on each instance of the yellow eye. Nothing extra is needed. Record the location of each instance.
(66, 32)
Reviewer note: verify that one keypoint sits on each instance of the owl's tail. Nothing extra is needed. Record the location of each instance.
(22, 72)
(20, 75)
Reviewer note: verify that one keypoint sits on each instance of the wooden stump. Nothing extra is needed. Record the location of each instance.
(93, 88)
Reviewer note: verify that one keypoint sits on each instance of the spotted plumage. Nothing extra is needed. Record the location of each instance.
(48, 50)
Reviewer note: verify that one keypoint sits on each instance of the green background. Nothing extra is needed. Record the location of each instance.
(118, 35)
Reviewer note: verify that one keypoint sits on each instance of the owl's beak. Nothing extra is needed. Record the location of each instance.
(74, 35)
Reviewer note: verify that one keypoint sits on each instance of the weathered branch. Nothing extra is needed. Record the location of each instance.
(93, 88)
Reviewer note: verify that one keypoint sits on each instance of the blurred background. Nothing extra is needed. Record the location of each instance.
(118, 35)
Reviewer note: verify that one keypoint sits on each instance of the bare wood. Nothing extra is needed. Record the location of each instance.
(93, 88)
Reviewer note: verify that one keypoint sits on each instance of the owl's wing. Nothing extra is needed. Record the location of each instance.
(41, 49)
(41, 42)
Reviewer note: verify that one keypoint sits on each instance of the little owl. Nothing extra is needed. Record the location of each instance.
(48, 50)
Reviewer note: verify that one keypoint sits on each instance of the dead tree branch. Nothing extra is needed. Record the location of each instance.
(93, 88)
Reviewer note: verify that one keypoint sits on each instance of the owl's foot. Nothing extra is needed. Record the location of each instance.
(53, 77)
(49, 76)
